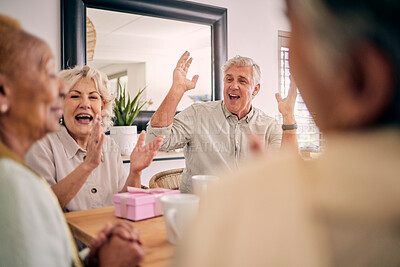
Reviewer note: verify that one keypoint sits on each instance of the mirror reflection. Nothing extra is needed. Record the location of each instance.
(141, 51)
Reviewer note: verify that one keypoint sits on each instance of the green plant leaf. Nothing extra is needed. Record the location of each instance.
(118, 116)
(135, 100)
(138, 110)
(125, 109)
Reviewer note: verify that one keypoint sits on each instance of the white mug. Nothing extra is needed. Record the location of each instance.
(202, 183)
(179, 212)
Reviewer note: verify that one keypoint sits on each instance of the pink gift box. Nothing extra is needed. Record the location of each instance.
(139, 204)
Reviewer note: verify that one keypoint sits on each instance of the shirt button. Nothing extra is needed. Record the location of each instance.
(94, 190)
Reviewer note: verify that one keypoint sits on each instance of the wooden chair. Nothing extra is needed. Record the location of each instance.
(170, 179)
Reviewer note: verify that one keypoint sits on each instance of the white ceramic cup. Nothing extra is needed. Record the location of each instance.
(202, 183)
(179, 212)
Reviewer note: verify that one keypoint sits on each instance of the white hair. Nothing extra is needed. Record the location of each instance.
(240, 61)
(72, 76)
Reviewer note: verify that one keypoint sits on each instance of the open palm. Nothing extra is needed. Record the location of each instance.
(142, 156)
(286, 105)
(180, 72)
(95, 144)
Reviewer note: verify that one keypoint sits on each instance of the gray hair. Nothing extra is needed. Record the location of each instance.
(240, 61)
(72, 76)
(339, 25)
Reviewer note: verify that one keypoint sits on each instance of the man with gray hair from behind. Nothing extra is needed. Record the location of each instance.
(215, 134)
(341, 209)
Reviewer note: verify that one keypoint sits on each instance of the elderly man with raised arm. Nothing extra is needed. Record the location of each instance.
(215, 134)
(341, 209)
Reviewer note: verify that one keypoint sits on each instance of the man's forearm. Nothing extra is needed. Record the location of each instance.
(289, 137)
(165, 114)
(289, 140)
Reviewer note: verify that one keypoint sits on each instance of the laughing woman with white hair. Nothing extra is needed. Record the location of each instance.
(83, 166)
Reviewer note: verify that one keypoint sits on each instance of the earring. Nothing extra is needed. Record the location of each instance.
(3, 108)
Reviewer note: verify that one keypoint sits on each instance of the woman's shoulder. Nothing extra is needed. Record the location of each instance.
(51, 139)
(44, 145)
(15, 176)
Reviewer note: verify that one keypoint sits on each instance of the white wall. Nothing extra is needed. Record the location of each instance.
(39, 17)
(252, 31)
(136, 75)
(159, 76)
(253, 27)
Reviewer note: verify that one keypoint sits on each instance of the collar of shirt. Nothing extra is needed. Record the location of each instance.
(70, 146)
(227, 113)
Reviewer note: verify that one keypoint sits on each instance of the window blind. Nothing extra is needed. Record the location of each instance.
(308, 135)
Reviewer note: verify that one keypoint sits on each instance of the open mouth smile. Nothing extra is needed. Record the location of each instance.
(84, 118)
(233, 97)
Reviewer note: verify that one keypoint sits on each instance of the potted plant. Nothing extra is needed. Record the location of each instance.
(124, 132)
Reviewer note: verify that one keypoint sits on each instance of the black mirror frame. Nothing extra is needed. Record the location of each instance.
(73, 29)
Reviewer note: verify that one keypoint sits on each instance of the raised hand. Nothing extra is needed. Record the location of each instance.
(142, 156)
(165, 113)
(286, 105)
(95, 144)
(180, 82)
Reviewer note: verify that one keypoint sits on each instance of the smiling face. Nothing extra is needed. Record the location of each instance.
(33, 109)
(239, 90)
(81, 104)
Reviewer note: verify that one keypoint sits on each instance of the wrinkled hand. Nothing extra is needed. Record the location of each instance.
(119, 252)
(286, 105)
(95, 144)
(179, 78)
(105, 250)
(142, 156)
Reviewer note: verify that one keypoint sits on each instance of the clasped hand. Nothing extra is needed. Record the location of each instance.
(117, 245)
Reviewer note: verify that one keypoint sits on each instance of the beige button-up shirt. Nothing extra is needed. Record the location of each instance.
(57, 155)
(212, 137)
(339, 210)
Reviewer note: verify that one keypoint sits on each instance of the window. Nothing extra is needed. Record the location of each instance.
(308, 135)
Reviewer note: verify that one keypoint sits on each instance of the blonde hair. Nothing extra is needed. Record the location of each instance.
(9, 24)
(72, 76)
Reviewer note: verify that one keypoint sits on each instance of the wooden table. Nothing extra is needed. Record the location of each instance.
(86, 224)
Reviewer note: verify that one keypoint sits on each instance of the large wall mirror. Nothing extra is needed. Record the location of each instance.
(139, 42)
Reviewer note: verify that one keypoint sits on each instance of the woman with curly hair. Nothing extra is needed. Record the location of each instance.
(83, 166)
